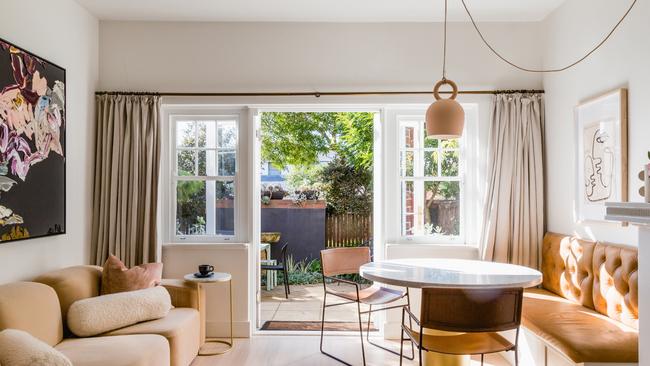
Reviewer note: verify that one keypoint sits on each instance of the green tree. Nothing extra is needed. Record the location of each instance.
(301, 138)
(348, 188)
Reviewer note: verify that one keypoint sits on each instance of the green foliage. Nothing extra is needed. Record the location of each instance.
(305, 177)
(300, 138)
(348, 188)
(302, 272)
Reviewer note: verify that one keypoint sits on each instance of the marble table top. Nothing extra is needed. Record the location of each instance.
(216, 277)
(450, 273)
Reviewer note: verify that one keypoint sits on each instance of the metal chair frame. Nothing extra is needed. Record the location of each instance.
(359, 313)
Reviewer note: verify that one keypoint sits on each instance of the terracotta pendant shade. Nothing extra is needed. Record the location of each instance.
(445, 118)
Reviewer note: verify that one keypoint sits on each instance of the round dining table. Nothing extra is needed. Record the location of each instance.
(449, 273)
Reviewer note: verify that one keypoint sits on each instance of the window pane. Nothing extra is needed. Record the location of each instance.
(185, 134)
(191, 208)
(207, 133)
(207, 163)
(430, 142)
(408, 208)
(450, 144)
(227, 163)
(409, 136)
(450, 163)
(225, 208)
(205, 208)
(431, 163)
(186, 163)
(407, 159)
(227, 135)
(442, 208)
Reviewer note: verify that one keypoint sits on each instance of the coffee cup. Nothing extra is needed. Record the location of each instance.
(204, 269)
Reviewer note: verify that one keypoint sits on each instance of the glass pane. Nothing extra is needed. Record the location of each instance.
(225, 208)
(207, 134)
(431, 163)
(450, 163)
(450, 144)
(205, 208)
(409, 137)
(442, 208)
(207, 163)
(430, 142)
(408, 208)
(227, 135)
(185, 134)
(191, 208)
(186, 162)
(227, 163)
(407, 160)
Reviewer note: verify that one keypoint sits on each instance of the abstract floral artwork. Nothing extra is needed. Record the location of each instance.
(602, 154)
(32, 145)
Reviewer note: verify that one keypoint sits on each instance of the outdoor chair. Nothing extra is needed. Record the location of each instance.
(341, 261)
(282, 266)
(477, 314)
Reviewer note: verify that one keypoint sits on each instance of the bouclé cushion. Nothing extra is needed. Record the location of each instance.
(19, 348)
(117, 278)
(101, 314)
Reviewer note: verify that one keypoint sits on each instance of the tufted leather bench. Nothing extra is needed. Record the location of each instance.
(587, 306)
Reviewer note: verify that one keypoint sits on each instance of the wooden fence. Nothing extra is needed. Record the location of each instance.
(347, 230)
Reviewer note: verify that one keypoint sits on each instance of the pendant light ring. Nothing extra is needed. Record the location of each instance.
(454, 88)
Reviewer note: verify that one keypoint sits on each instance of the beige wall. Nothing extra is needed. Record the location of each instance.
(64, 33)
(204, 57)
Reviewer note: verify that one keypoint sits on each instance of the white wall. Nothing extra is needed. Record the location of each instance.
(64, 33)
(248, 57)
(622, 62)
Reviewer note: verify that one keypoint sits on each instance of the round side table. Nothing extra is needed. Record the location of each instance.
(216, 277)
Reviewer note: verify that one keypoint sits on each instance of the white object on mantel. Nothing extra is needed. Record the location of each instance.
(638, 213)
(632, 212)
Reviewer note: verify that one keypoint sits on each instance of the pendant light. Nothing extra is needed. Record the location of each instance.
(445, 118)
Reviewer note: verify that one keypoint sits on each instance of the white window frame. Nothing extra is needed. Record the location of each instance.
(170, 176)
(468, 173)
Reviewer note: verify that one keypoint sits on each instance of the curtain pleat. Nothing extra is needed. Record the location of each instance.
(513, 224)
(125, 190)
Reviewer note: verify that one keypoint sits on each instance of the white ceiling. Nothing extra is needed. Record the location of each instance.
(318, 10)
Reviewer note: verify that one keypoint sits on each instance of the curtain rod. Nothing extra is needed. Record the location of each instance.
(314, 94)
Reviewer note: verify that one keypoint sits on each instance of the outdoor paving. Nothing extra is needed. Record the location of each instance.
(305, 303)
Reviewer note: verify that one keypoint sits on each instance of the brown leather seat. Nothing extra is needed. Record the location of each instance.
(582, 334)
(373, 295)
(588, 307)
(463, 344)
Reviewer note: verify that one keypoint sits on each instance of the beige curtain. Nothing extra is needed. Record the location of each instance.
(513, 216)
(125, 191)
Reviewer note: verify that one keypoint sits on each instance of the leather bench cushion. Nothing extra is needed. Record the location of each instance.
(182, 329)
(132, 350)
(567, 267)
(583, 335)
(616, 283)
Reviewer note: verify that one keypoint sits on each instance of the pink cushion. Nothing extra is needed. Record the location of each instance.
(117, 278)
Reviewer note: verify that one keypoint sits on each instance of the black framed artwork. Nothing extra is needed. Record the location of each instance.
(32, 145)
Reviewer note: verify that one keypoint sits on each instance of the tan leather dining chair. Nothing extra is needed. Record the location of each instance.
(477, 314)
(340, 261)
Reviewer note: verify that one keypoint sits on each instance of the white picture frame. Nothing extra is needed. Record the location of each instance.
(601, 155)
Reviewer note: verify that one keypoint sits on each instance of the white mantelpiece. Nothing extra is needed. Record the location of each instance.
(638, 213)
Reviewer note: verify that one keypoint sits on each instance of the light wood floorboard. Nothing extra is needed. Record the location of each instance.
(270, 350)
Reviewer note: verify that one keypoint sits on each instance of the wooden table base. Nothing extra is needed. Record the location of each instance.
(439, 359)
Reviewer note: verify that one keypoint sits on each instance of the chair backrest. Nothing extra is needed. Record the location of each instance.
(283, 253)
(476, 310)
(338, 261)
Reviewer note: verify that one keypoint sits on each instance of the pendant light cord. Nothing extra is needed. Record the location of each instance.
(536, 70)
(444, 47)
